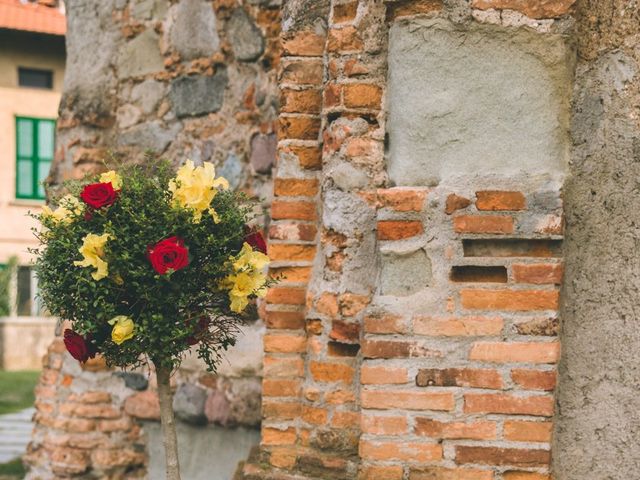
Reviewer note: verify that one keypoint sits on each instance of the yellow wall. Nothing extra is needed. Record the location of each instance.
(20, 49)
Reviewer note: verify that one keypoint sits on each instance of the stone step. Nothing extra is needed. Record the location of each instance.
(14, 440)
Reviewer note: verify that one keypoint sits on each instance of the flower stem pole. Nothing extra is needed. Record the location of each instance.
(167, 421)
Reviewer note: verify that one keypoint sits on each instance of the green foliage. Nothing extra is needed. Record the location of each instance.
(16, 390)
(167, 309)
(6, 274)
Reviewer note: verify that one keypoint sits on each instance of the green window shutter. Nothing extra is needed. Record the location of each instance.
(35, 146)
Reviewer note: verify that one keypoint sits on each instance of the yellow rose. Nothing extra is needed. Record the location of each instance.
(68, 207)
(92, 251)
(249, 258)
(238, 304)
(122, 330)
(195, 188)
(112, 177)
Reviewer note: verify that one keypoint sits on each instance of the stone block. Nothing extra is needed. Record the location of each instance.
(140, 56)
(153, 136)
(193, 30)
(404, 274)
(147, 95)
(246, 38)
(198, 95)
(188, 404)
(232, 170)
(263, 152)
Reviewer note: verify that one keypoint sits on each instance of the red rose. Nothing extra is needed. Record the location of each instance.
(98, 195)
(78, 346)
(168, 254)
(255, 239)
(200, 328)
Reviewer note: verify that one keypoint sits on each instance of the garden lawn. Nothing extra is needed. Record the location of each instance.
(16, 390)
(12, 470)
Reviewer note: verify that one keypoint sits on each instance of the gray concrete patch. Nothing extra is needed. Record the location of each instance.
(478, 98)
(404, 274)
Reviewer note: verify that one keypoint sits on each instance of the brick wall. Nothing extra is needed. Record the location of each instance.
(415, 334)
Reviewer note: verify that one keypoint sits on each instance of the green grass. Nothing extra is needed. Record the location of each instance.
(16, 390)
(12, 469)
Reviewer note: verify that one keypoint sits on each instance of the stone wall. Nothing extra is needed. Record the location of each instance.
(189, 79)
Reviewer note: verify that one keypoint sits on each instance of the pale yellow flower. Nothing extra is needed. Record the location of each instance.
(112, 177)
(248, 278)
(122, 330)
(249, 258)
(195, 187)
(68, 207)
(92, 251)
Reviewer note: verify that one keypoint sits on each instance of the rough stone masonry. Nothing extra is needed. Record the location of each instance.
(454, 214)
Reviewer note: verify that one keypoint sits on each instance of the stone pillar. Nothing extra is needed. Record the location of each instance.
(188, 79)
(598, 418)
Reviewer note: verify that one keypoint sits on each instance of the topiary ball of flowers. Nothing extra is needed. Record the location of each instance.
(146, 264)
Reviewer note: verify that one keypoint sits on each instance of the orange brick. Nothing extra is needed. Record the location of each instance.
(292, 231)
(540, 273)
(455, 202)
(300, 101)
(291, 252)
(283, 366)
(327, 304)
(340, 397)
(412, 452)
(281, 410)
(284, 320)
(331, 372)
(514, 475)
(332, 95)
(362, 95)
(541, 405)
(398, 230)
(348, 332)
(512, 300)
(286, 295)
(494, 200)
(412, 8)
(281, 210)
(345, 12)
(314, 415)
(304, 44)
(528, 431)
(535, 379)
(384, 324)
(299, 127)
(407, 399)
(502, 456)
(363, 147)
(301, 71)
(377, 472)
(273, 436)
(402, 199)
(351, 304)
(459, 377)
(483, 224)
(530, 9)
(285, 343)
(281, 457)
(291, 274)
(455, 430)
(345, 419)
(280, 388)
(457, 326)
(308, 157)
(379, 375)
(295, 187)
(516, 352)
(383, 425)
(344, 40)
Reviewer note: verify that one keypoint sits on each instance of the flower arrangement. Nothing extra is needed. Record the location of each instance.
(147, 265)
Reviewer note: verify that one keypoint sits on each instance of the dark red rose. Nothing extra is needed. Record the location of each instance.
(200, 328)
(255, 239)
(79, 347)
(98, 195)
(168, 254)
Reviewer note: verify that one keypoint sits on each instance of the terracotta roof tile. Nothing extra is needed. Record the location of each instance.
(31, 17)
